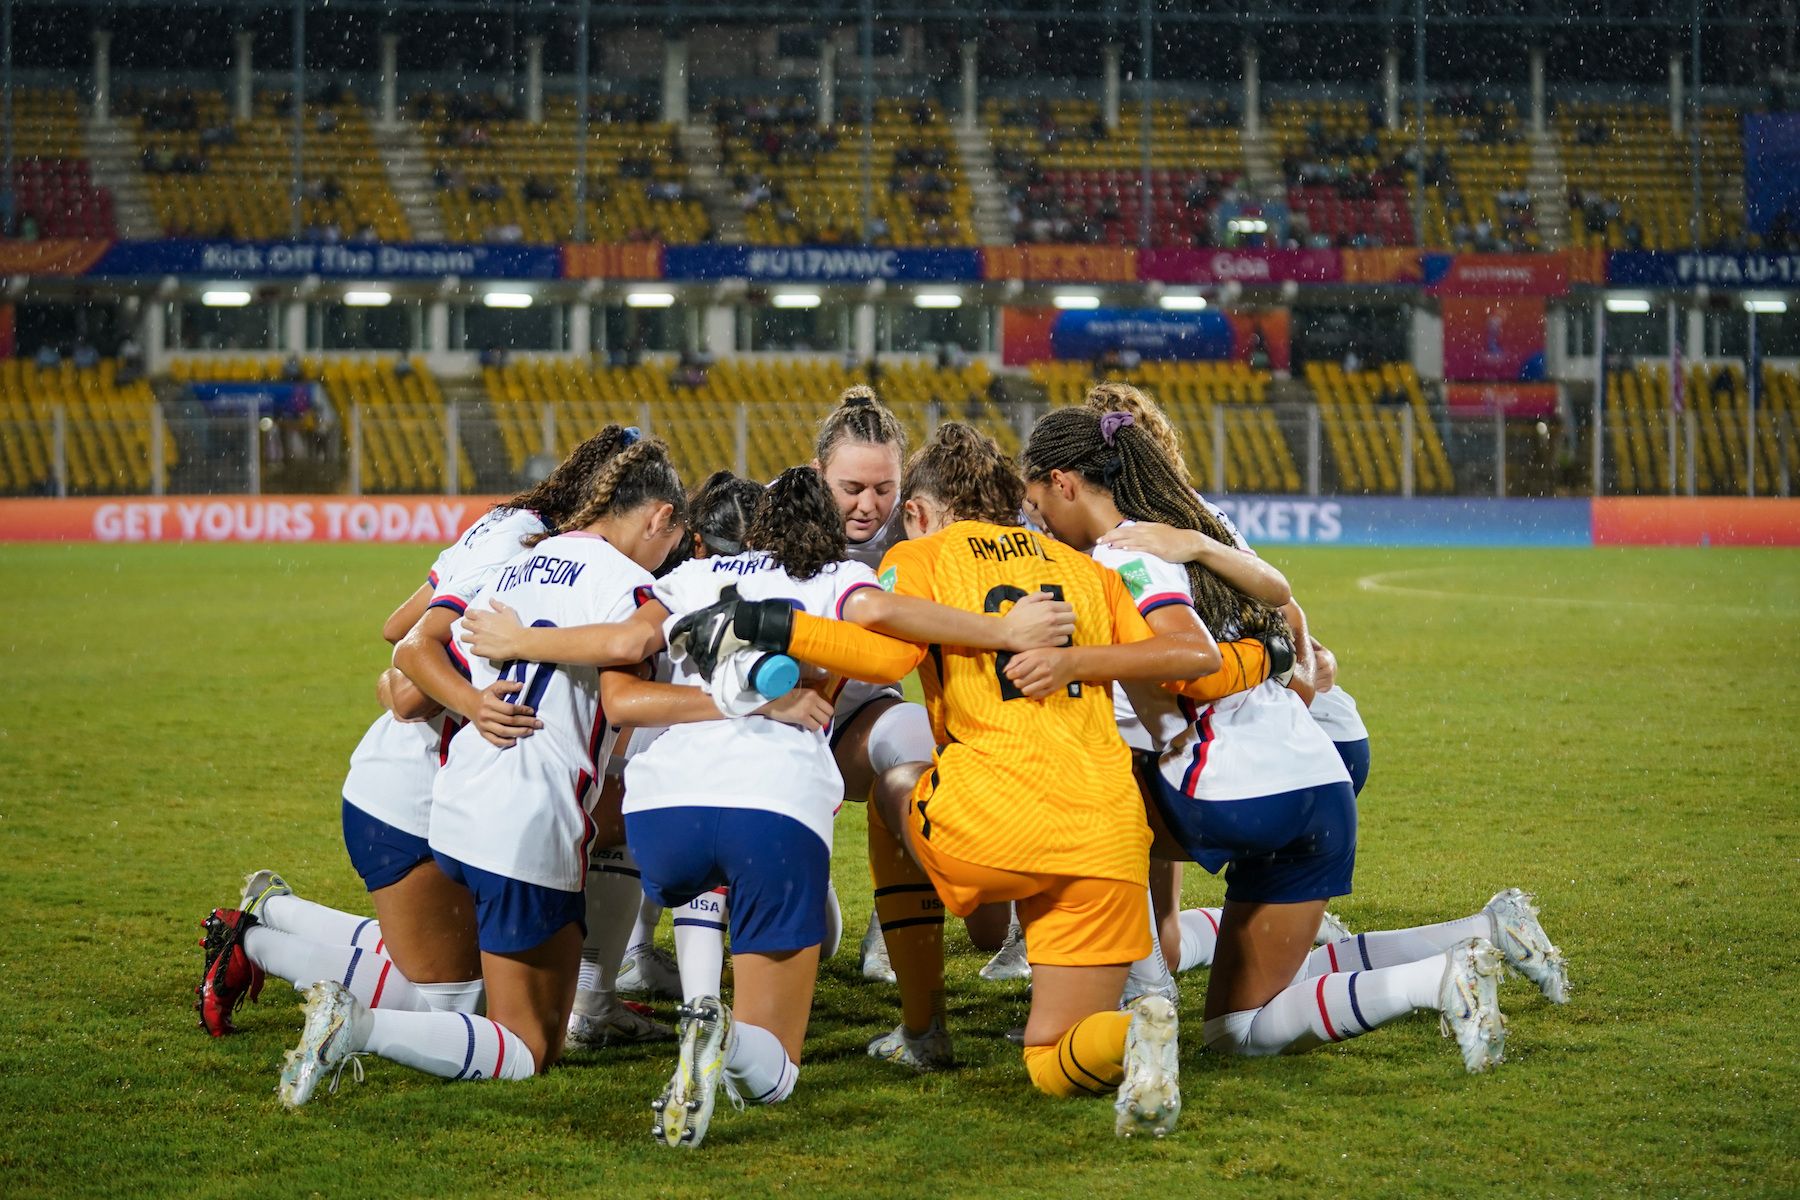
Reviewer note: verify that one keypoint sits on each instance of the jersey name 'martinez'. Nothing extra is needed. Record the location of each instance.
(543, 568)
(1012, 545)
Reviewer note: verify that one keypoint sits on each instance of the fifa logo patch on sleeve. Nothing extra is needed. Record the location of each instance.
(887, 578)
(1137, 577)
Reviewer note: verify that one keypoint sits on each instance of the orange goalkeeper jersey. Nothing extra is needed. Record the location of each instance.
(1024, 785)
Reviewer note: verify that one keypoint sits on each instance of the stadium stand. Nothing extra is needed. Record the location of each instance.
(1069, 179)
(1630, 182)
(499, 178)
(1716, 407)
(1365, 436)
(51, 174)
(402, 416)
(1350, 179)
(781, 404)
(210, 176)
(108, 434)
(800, 183)
(1258, 456)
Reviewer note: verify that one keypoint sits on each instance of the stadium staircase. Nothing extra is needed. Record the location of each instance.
(112, 149)
(699, 142)
(1549, 190)
(1262, 179)
(991, 225)
(483, 447)
(1364, 438)
(409, 174)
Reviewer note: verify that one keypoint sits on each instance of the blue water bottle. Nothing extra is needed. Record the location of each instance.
(774, 676)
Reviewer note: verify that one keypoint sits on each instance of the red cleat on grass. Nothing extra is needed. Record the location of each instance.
(230, 976)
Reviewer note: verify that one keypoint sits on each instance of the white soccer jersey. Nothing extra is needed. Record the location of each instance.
(751, 762)
(391, 769)
(1150, 717)
(522, 811)
(1335, 711)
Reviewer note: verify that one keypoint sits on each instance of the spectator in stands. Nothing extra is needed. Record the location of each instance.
(539, 190)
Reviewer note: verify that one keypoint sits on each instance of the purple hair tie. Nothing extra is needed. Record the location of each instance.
(1111, 423)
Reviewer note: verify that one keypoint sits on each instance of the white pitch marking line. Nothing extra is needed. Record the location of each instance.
(1379, 583)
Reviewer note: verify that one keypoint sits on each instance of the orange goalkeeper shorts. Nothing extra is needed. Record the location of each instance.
(1069, 920)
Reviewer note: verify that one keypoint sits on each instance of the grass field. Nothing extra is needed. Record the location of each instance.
(1613, 729)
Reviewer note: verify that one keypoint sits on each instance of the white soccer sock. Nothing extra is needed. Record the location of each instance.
(834, 923)
(1330, 1008)
(700, 944)
(452, 1045)
(1199, 937)
(317, 923)
(372, 978)
(1150, 974)
(614, 900)
(469, 996)
(759, 1066)
(1394, 947)
(644, 932)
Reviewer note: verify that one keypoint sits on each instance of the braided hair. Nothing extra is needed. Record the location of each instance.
(1113, 396)
(637, 475)
(798, 524)
(859, 417)
(965, 470)
(556, 497)
(718, 518)
(1111, 452)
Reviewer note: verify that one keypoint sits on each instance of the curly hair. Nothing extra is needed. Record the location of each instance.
(1113, 453)
(965, 470)
(721, 509)
(563, 491)
(859, 417)
(1113, 396)
(798, 524)
(637, 475)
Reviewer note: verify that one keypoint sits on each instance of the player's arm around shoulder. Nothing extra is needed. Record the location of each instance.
(1178, 649)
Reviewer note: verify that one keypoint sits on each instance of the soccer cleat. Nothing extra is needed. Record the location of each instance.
(621, 1025)
(1149, 976)
(684, 1110)
(1528, 949)
(1331, 930)
(229, 976)
(1469, 1003)
(1149, 1099)
(259, 886)
(875, 964)
(1009, 961)
(649, 970)
(928, 1051)
(336, 1022)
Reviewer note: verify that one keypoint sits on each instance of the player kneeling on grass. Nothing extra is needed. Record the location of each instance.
(1250, 783)
(511, 824)
(1077, 868)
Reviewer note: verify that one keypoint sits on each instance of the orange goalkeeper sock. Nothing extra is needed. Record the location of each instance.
(912, 925)
(1089, 1060)
(850, 650)
(1246, 665)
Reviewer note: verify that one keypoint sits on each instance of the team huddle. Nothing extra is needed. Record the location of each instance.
(577, 739)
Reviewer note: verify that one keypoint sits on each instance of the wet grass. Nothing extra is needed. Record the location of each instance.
(1614, 729)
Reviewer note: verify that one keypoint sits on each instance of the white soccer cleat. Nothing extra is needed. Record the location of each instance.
(1009, 961)
(1469, 1003)
(1528, 949)
(928, 1051)
(336, 1023)
(649, 971)
(259, 886)
(1149, 1099)
(620, 1025)
(1331, 930)
(684, 1110)
(875, 964)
